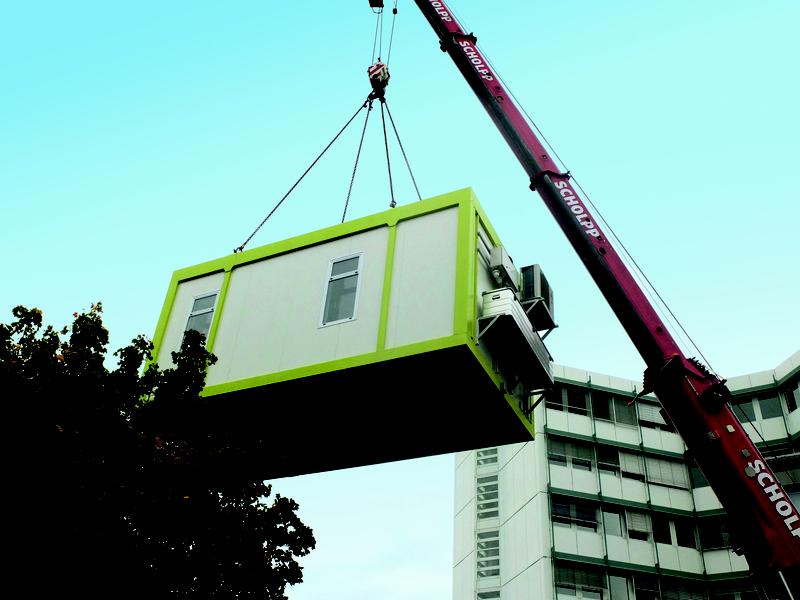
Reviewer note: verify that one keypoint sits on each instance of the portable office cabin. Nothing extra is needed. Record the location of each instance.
(358, 343)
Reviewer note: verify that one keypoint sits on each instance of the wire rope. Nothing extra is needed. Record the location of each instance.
(399, 143)
(355, 166)
(291, 189)
(392, 204)
(391, 36)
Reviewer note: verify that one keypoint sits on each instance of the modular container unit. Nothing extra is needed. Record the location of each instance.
(358, 343)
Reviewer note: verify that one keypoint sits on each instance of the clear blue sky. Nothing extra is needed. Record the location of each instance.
(136, 139)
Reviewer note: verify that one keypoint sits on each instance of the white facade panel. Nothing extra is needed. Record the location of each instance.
(464, 578)
(534, 582)
(422, 300)
(705, 499)
(464, 532)
(786, 367)
(272, 313)
(465, 482)
(176, 325)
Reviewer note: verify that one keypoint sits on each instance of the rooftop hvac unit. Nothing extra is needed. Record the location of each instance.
(537, 298)
(502, 269)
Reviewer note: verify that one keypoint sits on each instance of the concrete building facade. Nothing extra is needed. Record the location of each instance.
(606, 503)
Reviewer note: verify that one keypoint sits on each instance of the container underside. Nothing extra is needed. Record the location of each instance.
(421, 405)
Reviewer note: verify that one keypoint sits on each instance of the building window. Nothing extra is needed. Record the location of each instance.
(696, 477)
(638, 526)
(770, 405)
(612, 521)
(650, 416)
(631, 465)
(487, 456)
(667, 472)
(661, 530)
(574, 454)
(646, 587)
(342, 290)
(791, 392)
(608, 460)
(613, 408)
(713, 533)
(488, 497)
(618, 586)
(202, 313)
(569, 398)
(685, 532)
(488, 560)
(490, 595)
(743, 409)
(584, 583)
(574, 512)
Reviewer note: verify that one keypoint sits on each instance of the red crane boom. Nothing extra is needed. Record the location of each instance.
(766, 524)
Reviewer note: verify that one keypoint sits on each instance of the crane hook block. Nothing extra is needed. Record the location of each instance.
(376, 3)
(378, 79)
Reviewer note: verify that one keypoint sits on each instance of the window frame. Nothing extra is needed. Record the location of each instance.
(327, 287)
(193, 313)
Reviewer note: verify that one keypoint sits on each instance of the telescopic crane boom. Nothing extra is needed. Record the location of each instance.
(766, 524)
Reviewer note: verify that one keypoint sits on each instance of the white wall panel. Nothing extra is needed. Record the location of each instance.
(271, 318)
(422, 300)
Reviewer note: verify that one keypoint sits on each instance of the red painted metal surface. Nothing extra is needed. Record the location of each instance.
(767, 525)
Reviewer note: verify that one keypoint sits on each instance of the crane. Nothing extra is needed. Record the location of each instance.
(766, 523)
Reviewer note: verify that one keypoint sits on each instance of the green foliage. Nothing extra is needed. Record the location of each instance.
(120, 498)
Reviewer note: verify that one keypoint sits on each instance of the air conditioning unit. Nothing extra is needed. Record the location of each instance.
(503, 270)
(537, 297)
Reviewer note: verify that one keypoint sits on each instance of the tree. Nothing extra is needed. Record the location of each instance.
(118, 500)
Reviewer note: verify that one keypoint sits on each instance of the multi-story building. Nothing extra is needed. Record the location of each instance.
(606, 502)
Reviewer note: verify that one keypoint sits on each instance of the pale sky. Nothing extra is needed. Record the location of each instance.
(139, 138)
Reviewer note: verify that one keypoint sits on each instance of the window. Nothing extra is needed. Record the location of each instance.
(743, 409)
(770, 405)
(342, 290)
(713, 533)
(488, 595)
(576, 455)
(584, 582)
(791, 392)
(487, 456)
(646, 587)
(623, 412)
(488, 545)
(685, 532)
(568, 398)
(612, 408)
(618, 586)
(488, 494)
(576, 400)
(612, 521)
(488, 563)
(698, 480)
(573, 511)
(650, 415)
(608, 459)
(681, 590)
(638, 526)
(667, 472)
(601, 405)
(661, 529)
(201, 314)
(631, 465)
